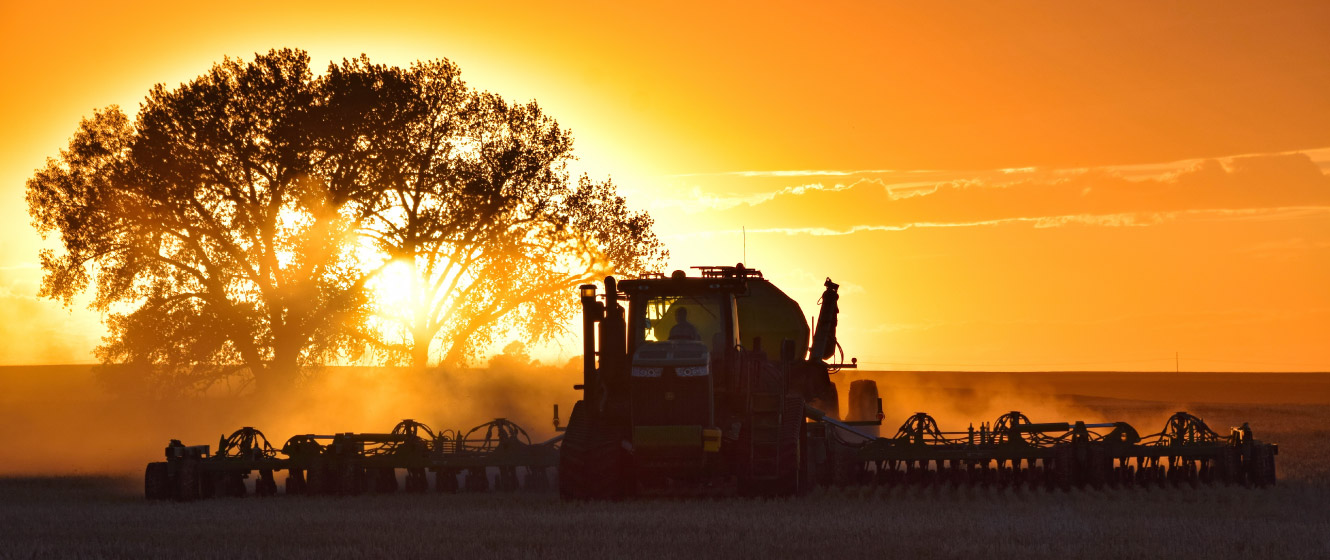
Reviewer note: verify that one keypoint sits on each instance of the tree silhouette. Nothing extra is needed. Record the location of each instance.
(484, 215)
(236, 226)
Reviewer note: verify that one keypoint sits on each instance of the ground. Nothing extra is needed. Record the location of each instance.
(105, 515)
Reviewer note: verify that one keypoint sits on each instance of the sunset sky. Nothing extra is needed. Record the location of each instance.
(995, 185)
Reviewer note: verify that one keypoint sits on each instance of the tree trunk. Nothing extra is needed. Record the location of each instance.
(420, 349)
(279, 376)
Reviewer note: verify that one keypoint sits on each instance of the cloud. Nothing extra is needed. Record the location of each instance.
(1249, 187)
(801, 173)
(1100, 220)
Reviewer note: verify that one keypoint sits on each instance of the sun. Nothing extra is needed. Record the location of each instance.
(393, 287)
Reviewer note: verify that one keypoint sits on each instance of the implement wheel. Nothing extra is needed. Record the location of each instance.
(157, 482)
(507, 480)
(416, 481)
(536, 480)
(1262, 466)
(476, 480)
(592, 461)
(1064, 467)
(233, 485)
(320, 479)
(265, 485)
(445, 481)
(187, 480)
(382, 480)
(295, 482)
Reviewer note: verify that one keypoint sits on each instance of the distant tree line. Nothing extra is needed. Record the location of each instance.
(237, 225)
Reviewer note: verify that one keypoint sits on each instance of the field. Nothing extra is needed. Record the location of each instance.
(103, 515)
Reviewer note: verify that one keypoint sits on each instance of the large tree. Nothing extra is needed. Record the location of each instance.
(234, 228)
(485, 217)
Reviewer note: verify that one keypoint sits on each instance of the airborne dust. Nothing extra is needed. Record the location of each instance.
(57, 420)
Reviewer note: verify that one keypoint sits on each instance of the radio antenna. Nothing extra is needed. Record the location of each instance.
(744, 229)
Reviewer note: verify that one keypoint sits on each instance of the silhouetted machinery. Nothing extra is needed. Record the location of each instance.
(355, 463)
(711, 384)
(681, 393)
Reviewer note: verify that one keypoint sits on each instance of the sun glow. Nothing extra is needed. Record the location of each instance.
(393, 288)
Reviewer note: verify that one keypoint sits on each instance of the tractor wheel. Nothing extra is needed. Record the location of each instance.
(592, 462)
(805, 481)
(788, 455)
(157, 482)
(788, 459)
(846, 468)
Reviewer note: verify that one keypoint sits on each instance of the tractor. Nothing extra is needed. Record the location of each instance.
(695, 384)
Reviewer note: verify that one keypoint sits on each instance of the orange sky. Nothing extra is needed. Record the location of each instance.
(995, 186)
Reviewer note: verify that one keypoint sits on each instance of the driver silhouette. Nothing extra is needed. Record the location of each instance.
(683, 330)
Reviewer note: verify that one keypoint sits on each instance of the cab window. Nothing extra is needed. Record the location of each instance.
(681, 318)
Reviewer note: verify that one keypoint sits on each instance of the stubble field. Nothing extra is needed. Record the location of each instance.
(104, 515)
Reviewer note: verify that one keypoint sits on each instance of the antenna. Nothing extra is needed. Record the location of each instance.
(744, 229)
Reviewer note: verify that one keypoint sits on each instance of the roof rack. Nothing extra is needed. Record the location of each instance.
(736, 271)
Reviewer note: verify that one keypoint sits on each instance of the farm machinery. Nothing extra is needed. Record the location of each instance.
(355, 463)
(716, 383)
(679, 391)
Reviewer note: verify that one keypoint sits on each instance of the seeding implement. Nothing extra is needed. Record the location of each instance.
(355, 463)
(681, 396)
(1015, 452)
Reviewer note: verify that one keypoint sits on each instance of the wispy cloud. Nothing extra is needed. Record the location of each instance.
(1276, 187)
(1094, 220)
(1321, 156)
(803, 173)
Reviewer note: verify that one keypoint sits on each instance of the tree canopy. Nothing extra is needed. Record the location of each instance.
(239, 225)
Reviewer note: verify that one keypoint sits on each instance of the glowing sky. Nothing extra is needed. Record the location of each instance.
(996, 185)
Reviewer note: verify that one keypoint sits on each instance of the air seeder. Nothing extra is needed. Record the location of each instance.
(664, 409)
(711, 384)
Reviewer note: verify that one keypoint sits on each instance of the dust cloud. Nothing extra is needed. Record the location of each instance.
(57, 420)
(61, 420)
(958, 400)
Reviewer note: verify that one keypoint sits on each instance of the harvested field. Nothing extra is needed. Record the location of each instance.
(102, 517)
(105, 516)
